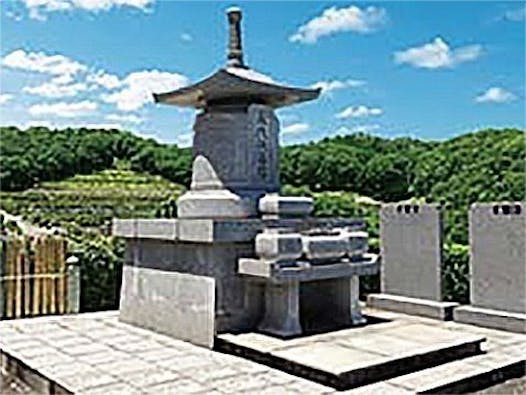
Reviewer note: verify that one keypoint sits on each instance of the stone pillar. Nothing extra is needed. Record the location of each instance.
(282, 313)
(73, 285)
(235, 162)
(497, 265)
(411, 253)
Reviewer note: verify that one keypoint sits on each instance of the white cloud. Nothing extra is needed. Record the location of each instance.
(186, 37)
(334, 20)
(438, 54)
(5, 97)
(63, 109)
(51, 89)
(333, 85)
(106, 80)
(139, 87)
(359, 112)
(39, 8)
(296, 128)
(366, 128)
(516, 15)
(128, 118)
(41, 62)
(495, 95)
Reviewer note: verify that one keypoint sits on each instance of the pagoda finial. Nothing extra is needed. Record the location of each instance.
(235, 49)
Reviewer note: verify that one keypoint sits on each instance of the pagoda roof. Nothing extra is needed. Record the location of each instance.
(234, 85)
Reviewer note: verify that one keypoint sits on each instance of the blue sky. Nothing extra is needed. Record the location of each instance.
(427, 69)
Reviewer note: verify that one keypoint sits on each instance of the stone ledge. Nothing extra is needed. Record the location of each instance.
(220, 229)
(413, 306)
(495, 319)
(303, 271)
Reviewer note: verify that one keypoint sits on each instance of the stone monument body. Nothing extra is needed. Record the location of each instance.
(239, 256)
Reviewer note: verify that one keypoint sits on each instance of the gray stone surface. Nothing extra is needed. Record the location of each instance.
(282, 309)
(276, 246)
(421, 307)
(304, 271)
(178, 304)
(235, 162)
(321, 248)
(362, 355)
(237, 303)
(496, 319)
(286, 206)
(140, 361)
(498, 256)
(411, 250)
(357, 242)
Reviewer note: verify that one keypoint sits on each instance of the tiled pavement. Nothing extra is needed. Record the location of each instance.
(95, 353)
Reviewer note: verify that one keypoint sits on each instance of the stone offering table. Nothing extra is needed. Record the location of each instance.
(327, 264)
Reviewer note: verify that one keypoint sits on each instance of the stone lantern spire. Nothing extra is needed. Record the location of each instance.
(235, 46)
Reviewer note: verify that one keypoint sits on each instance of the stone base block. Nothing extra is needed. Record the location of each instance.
(495, 319)
(219, 203)
(413, 306)
(176, 304)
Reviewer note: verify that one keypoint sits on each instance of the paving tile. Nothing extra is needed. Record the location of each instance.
(48, 358)
(57, 370)
(438, 375)
(330, 357)
(86, 349)
(150, 377)
(119, 368)
(86, 379)
(182, 386)
(207, 373)
(380, 344)
(104, 357)
(112, 389)
(138, 346)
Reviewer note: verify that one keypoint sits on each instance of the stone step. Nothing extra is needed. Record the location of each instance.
(468, 374)
(352, 358)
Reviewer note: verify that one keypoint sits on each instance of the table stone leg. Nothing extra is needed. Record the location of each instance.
(281, 309)
(356, 311)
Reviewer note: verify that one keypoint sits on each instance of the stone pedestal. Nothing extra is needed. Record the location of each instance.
(411, 250)
(282, 312)
(235, 162)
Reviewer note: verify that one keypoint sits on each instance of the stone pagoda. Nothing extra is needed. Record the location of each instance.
(239, 256)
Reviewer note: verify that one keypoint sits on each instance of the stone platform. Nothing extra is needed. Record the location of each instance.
(357, 356)
(95, 353)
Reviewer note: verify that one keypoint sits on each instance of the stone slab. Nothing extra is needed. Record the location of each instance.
(351, 357)
(177, 304)
(496, 319)
(411, 250)
(303, 271)
(219, 229)
(498, 256)
(413, 306)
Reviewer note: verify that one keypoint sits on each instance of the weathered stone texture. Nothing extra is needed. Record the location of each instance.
(498, 257)
(411, 250)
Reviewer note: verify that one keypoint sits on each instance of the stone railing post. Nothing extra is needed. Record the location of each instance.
(73, 288)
